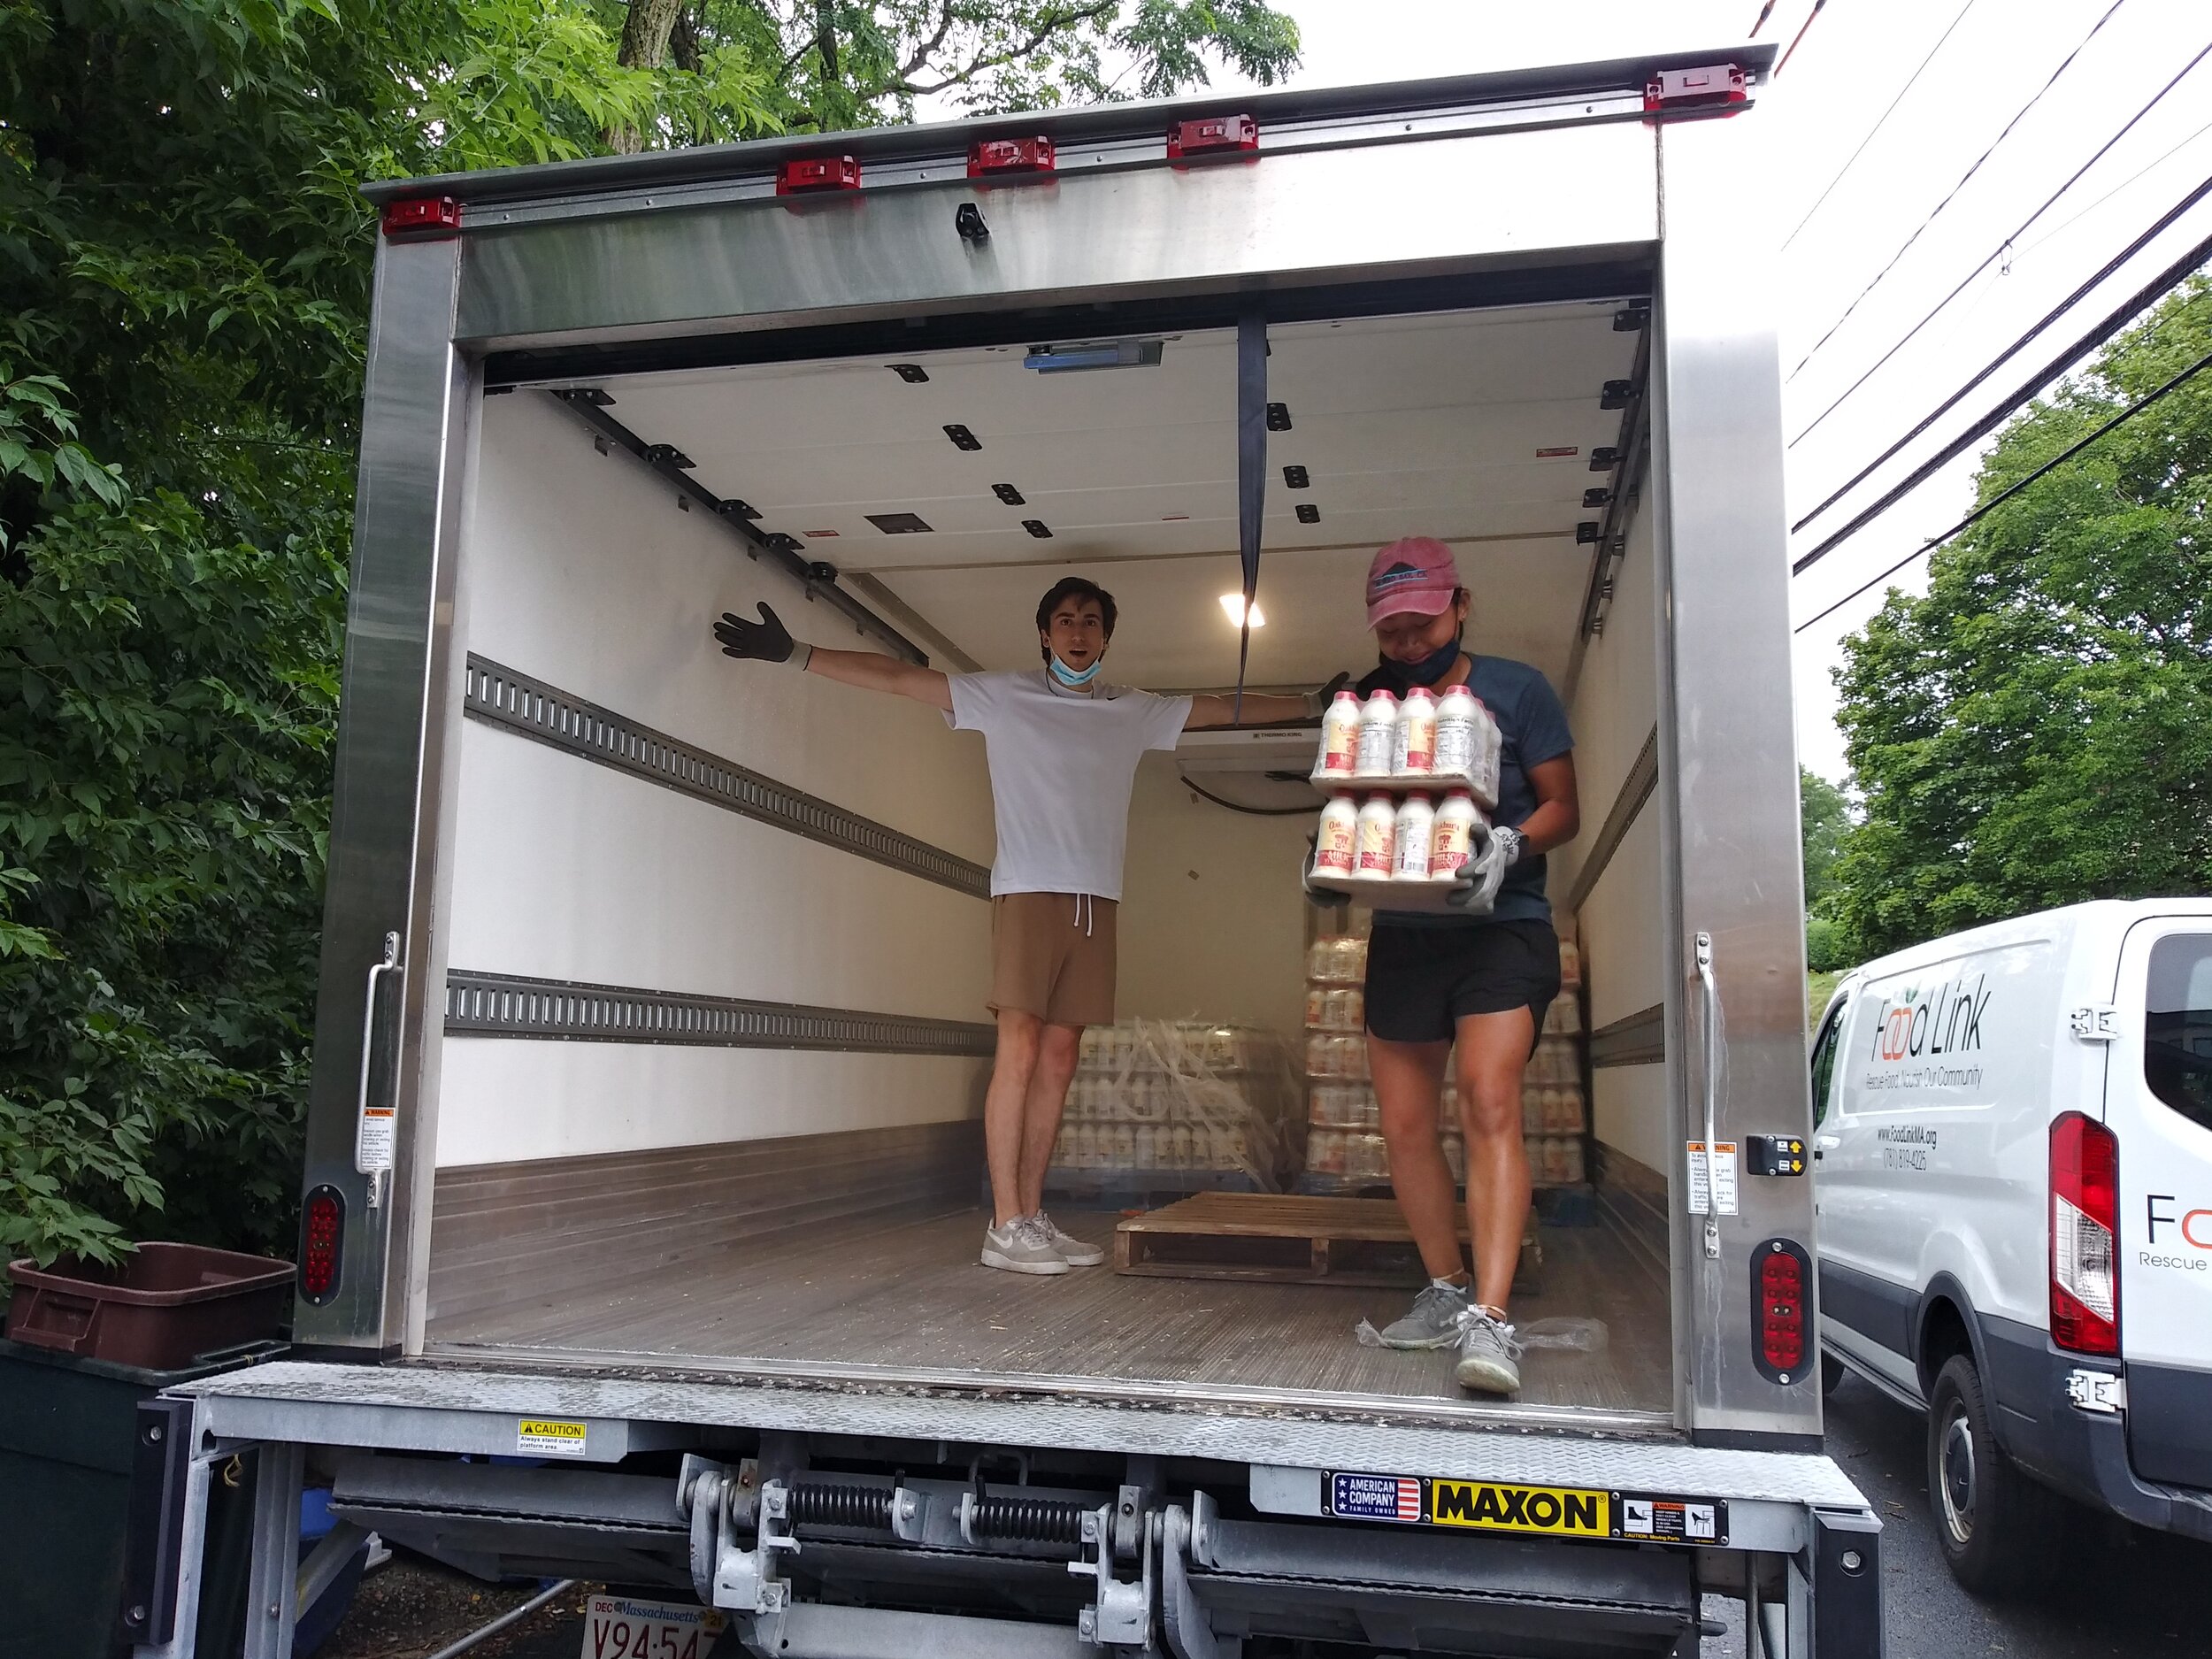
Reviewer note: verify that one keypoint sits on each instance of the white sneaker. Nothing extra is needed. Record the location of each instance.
(1072, 1250)
(1022, 1246)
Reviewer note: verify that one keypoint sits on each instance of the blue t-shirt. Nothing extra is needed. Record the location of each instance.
(1532, 729)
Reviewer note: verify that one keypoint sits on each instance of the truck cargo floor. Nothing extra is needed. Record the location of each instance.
(911, 1296)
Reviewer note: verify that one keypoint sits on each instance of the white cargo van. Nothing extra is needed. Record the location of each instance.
(643, 1140)
(2013, 1149)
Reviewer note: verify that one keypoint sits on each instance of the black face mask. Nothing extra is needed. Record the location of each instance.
(1403, 677)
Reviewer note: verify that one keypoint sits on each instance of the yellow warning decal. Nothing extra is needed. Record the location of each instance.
(544, 1437)
(1568, 1511)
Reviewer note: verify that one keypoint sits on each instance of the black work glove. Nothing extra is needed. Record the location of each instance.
(767, 640)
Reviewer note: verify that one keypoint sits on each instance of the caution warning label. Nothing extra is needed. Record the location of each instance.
(545, 1437)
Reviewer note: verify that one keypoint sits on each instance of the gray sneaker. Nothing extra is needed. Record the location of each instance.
(1022, 1246)
(1434, 1321)
(1072, 1250)
(1486, 1354)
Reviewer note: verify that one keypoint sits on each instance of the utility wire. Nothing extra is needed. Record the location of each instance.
(1853, 159)
(2005, 494)
(2113, 322)
(2018, 116)
(1804, 29)
(2080, 213)
(1996, 253)
(1765, 11)
(1877, 128)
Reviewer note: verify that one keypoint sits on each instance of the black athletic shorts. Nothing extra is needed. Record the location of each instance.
(1421, 981)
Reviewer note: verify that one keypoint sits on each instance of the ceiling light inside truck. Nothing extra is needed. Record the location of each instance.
(1095, 354)
(1233, 604)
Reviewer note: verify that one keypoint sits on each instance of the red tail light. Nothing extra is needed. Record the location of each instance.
(322, 1244)
(1709, 87)
(1216, 135)
(1010, 154)
(2084, 1236)
(819, 172)
(421, 213)
(1779, 1319)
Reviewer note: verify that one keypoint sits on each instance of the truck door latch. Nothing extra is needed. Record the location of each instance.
(2094, 1022)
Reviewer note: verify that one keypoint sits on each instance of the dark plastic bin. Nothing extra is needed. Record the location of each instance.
(68, 1434)
(162, 1308)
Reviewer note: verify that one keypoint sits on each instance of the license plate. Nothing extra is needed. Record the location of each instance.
(615, 1627)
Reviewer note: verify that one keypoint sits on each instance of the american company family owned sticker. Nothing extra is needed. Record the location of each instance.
(1506, 1507)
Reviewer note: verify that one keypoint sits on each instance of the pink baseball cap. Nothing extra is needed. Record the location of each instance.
(1415, 574)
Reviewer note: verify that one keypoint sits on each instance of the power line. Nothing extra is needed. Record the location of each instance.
(2010, 491)
(2020, 115)
(1877, 128)
(1804, 29)
(1996, 253)
(2080, 213)
(1988, 422)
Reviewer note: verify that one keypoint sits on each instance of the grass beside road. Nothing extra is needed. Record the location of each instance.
(1818, 988)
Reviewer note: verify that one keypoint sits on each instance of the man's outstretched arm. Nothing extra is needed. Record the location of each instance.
(768, 641)
(1259, 710)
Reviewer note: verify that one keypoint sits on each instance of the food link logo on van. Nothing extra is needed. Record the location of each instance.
(1946, 1019)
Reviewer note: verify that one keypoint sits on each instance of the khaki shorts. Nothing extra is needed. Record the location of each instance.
(1052, 955)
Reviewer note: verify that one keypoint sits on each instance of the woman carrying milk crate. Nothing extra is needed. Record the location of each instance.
(1477, 980)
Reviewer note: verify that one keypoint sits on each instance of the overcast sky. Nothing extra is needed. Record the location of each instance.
(1851, 63)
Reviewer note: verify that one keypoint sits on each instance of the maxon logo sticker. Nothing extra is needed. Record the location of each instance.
(1493, 1506)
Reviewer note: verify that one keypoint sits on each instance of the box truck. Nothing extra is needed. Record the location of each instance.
(639, 1220)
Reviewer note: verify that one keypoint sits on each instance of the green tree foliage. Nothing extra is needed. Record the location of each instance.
(184, 269)
(2038, 729)
(1823, 815)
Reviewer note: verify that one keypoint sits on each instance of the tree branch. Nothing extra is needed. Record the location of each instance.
(995, 60)
(928, 49)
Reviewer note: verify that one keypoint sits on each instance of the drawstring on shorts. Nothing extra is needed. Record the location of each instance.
(1086, 913)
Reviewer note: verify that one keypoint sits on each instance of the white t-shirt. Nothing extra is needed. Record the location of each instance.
(1062, 768)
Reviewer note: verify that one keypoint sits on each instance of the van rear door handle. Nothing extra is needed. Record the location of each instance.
(1824, 1143)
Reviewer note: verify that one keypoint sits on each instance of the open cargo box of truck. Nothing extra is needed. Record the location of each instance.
(743, 1179)
(642, 1139)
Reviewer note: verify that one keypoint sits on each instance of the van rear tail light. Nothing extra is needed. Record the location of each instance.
(817, 173)
(997, 155)
(322, 1244)
(1216, 135)
(1780, 1321)
(2084, 1236)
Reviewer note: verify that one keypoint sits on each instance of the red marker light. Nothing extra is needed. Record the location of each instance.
(1780, 1320)
(322, 1244)
(1215, 134)
(996, 156)
(819, 172)
(421, 213)
(1711, 86)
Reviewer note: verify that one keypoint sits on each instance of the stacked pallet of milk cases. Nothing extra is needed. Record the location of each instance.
(1162, 1108)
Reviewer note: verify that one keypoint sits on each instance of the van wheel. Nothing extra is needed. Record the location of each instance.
(1992, 1522)
(1833, 1371)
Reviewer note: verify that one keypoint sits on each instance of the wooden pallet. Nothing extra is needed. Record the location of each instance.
(1285, 1238)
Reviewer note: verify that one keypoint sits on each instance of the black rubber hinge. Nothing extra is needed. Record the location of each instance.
(1308, 513)
(1604, 460)
(732, 508)
(912, 374)
(1587, 532)
(1039, 528)
(962, 439)
(667, 454)
(1295, 478)
(1008, 493)
(1596, 497)
(1617, 394)
(153, 1537)
(1279, 416)
(1632, 319)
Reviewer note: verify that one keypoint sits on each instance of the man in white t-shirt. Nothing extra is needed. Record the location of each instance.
(1062, 747)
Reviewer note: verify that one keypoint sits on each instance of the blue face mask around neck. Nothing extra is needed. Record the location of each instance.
(1069, 678)
(1402, 677)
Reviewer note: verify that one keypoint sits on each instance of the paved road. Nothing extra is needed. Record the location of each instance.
(2124, 1592)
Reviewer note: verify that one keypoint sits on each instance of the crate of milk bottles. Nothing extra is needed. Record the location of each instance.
(1172, 1104)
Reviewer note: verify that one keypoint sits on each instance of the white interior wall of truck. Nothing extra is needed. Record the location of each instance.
(1614, 715)
(580, 569)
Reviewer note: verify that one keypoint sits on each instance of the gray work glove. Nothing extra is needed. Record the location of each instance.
(1481, 876)
(767, 640)
(1317, 702)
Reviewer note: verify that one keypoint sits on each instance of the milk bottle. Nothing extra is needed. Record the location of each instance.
(1335, 849)
(1376, 839)
(1455, 731)
(1340, 735)
(1416, 819)
(1413, 749)
(1451, 842)
(1377, 733)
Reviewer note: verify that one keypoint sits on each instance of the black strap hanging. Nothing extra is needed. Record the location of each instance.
(1251, 476)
